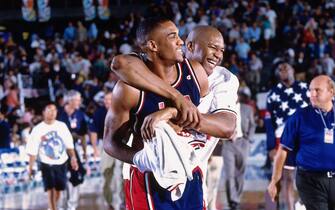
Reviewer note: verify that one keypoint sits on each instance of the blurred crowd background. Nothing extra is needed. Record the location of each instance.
(70, 47)
(43, 60)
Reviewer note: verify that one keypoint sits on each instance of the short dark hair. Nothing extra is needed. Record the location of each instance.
(146, 27)
(48, 103)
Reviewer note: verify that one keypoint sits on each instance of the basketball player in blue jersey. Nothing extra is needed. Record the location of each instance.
(159, 39)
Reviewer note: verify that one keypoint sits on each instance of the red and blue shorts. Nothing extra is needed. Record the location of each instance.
(142, 192)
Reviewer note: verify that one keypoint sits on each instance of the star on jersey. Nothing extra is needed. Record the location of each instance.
(283, 101)
(304, 105)
(289, 91)
(297, 97)
(279, 121)
(291, 112)
(303, 85)
(273, 96)
(284, 105)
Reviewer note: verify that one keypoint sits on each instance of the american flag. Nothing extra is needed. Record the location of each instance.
(283, 101)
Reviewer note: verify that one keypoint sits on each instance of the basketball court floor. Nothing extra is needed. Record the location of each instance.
(32, 197)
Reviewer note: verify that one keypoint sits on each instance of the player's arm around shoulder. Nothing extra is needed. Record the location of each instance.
(124, 98)
(132, 70)
(125, 66)
(202, 77)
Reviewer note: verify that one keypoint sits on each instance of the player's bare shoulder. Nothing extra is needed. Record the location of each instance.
(125, 95)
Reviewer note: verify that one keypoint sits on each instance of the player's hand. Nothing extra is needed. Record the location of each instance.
(272, 189)
(31, 173)
(150, 121)
(175, 127)
(188, 115)
(74, 163)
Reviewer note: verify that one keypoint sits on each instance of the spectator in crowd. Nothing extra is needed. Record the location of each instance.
(51, 141)
(15, 136)
(92, 31)
(310, 133)
(254, 73)
(300, 66)
(70, 33)
(26, 129)
(75, 119)
(328, 64)
(242, 49)
(12, 98)
(254, 35)
(267, 31)
(2, 93)
(235, 152)
(272, 16)
(111, 168)
(5, 130)
(282, 101)
(81, 32)
(234, 34)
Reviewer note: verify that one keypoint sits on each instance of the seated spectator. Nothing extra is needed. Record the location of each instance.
(5, 138)
(70, 33)
(12, 99)
(242, 49)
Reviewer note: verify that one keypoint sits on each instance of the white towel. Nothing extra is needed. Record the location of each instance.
(175, 159)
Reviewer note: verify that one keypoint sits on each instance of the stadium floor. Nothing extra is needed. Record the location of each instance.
(91, 191)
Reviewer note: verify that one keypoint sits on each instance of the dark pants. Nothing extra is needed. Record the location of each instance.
(316, 190)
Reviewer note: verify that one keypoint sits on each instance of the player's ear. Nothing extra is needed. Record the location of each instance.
(152, 46)
(190, 46)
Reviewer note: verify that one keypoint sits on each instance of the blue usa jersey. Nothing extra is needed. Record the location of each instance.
(186, 83)
(283, 101)
(149, 195)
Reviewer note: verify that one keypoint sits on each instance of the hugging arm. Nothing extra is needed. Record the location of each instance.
(133, 71)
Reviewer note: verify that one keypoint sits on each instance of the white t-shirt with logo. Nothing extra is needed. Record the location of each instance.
(50, 142)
